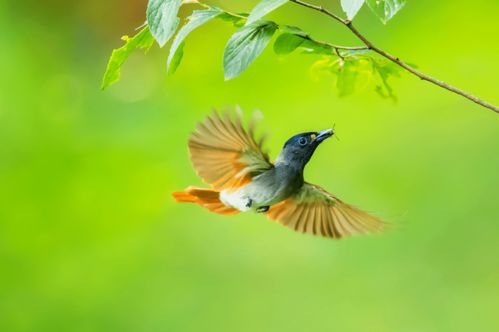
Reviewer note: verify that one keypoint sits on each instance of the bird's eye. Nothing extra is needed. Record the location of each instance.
(302, 141)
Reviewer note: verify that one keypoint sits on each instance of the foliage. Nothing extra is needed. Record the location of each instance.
(162, 19)
(263, 8)
(356, 71)
(142, 40)
(246, 45)
(353, 68)
(198, 18)
(383, 9)
(351, 7)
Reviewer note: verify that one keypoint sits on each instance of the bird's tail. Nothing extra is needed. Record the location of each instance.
(207, 198)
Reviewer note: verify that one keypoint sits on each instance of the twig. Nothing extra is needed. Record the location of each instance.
(197, 2)
(337, 51)
(396, 60)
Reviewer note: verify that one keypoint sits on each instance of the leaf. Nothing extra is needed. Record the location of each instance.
(175, 60)
(287, 43)
(263, 8)
(352, 75)
(373, 70)
(356, 72)
(385, 9)
(294, 30)
(290, 39)
(314, 47)
(245, 46)
(142, 40)
(293, 37)
(162, 19)
(385, 70)
(324, 64)
(351, 7)
(198, 18)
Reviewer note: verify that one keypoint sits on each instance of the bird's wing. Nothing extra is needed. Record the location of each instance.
(224, 153)
(313, 210)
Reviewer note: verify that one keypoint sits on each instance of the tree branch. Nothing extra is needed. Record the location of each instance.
(396, 60)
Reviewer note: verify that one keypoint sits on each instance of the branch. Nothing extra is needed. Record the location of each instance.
(396, 60)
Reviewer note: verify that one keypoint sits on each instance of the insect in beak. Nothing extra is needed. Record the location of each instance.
(335, 135)
(324, 134)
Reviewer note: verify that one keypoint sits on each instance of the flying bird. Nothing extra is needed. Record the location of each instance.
(226, 155)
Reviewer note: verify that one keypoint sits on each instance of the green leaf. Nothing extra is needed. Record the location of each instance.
(385, 9)
(162, 19)
(347, 79)
(385, 70)
(356, 72)
(287, 43)
(312, 46)
(294, 30)
(142, 40)
(263, 8)
(293, 37)
(198, 18)
(245, 46)
(351, 7)
(175, 60)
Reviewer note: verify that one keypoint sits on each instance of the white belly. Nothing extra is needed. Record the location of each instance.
(247, 195)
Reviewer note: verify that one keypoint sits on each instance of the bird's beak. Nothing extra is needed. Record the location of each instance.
(322, 135)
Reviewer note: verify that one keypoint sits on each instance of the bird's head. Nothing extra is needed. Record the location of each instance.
(298, 150)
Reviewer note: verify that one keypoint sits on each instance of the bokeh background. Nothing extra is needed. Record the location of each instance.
(90, 239)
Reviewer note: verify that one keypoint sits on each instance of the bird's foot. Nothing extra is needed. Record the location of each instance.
(249, 203)
(262, 209)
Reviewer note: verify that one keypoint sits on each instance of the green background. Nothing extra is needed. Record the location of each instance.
(91, 240)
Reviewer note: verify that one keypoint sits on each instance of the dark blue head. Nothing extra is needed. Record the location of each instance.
(298, 150)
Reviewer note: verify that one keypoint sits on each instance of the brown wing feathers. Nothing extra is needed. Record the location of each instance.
(223, 153)
(315, 211)
(226, 156)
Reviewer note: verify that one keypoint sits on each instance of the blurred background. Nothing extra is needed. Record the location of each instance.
(91, 240)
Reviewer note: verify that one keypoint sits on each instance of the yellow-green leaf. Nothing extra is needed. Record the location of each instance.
(287, 43)
(198, 18)
(142, 40)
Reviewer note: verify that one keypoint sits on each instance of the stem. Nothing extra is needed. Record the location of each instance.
(396, 60)
(237, 15)
(184, 2)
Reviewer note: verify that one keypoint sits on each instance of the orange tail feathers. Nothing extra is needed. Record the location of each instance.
(207, 198)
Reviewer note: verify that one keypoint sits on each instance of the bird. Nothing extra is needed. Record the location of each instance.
(226, 155)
